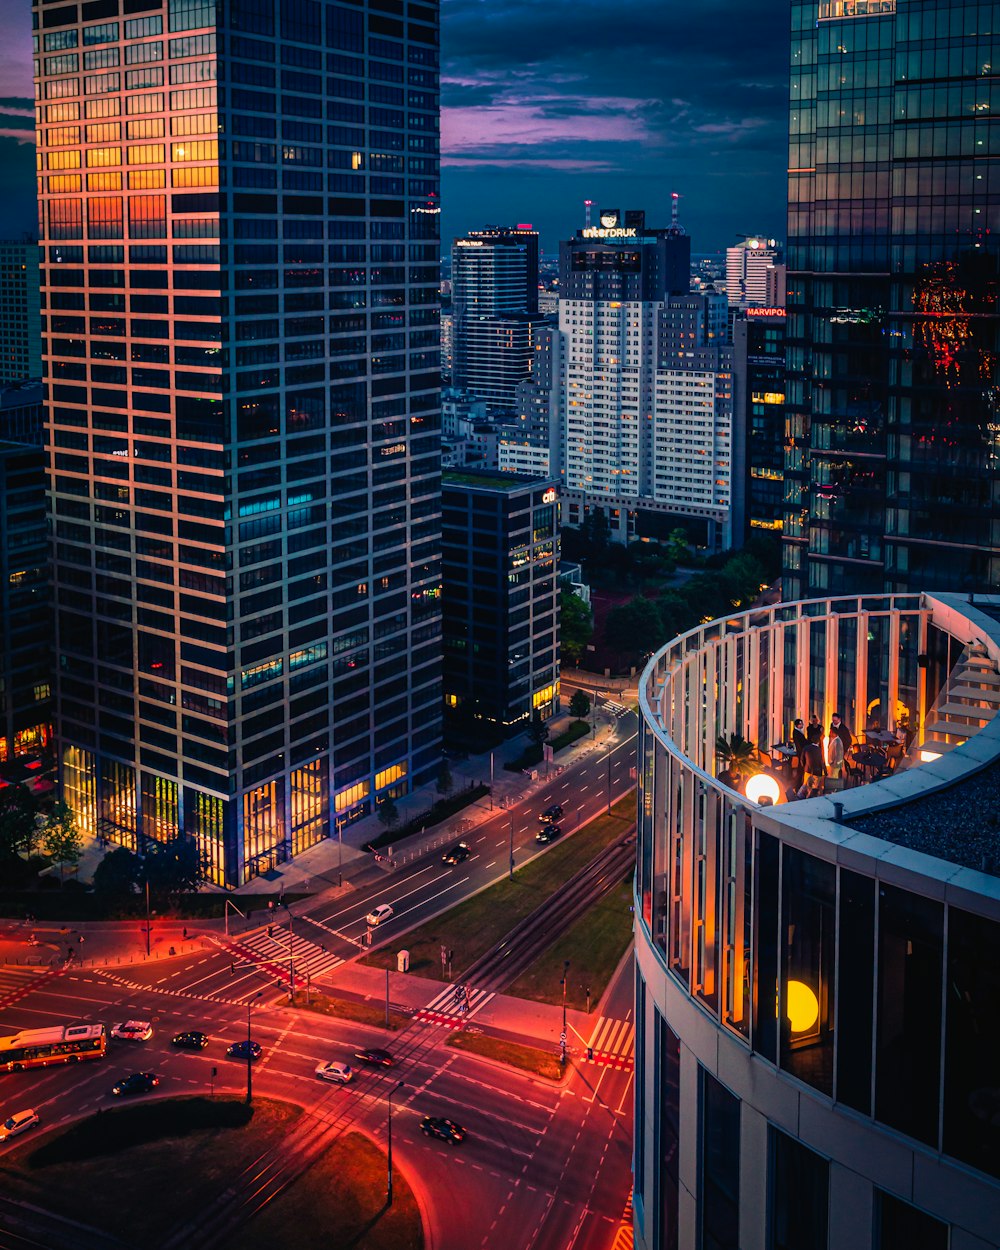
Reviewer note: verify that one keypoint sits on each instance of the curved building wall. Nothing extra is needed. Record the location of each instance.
(817, 1008)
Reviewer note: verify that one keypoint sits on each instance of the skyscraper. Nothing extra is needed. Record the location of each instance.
(759, 386)
(20, 327)
(893, 346)
(494, 276)
(240, 284)
(750, 269)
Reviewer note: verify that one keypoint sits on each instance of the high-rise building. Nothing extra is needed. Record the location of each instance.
(530, 444)
(20, 323)
(495, 310)
(242, 355)
(759, 398)
(817, 998)
(501, 600)
(893, 325)
(749, 271)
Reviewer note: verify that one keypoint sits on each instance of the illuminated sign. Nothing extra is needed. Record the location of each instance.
(397, 449)
(613, 232)
(609, 217)
(765, 312)
(550, 495)
(468, 243)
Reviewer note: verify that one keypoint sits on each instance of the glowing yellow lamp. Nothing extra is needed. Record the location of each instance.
(927, 756)
(801, 1006)
(763, 787)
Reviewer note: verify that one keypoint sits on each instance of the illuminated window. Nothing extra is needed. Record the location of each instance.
(147, 154)
(104, 132)
(60, 184)
(195, 124)
(146, 128)
(388, 775)
(104, 156)
(197, 176)
(261, 673)
(195, 150)
(42, 691)
(146, 179)
(63, 160)
(352, 795)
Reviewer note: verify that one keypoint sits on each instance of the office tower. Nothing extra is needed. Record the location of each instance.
(25, 604)
(816, 982)
(22, 414)
(495, 309)
(892, 315)
(748, 271)
(20, 326)
(245, 489)
(759, 390)
(530, 444)
(447, 345)
(501, 601)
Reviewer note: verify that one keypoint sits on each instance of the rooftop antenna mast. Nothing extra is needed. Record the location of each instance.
(675, 202)
(587, 206)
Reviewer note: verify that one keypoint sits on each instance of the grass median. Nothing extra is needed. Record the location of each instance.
(514, 1054)
(594, 946)
(346, 1009)
(135, 1172)
(339, 1202)
(477, 924)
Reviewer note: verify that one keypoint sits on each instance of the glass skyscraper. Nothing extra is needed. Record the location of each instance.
(892, 474)
(239, 225)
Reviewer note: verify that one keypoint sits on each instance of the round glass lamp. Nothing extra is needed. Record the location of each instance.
(762, 786)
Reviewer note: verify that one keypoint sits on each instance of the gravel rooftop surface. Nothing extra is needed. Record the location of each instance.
(960, 824)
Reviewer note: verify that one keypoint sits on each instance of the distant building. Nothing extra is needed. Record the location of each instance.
(530, 442)
(447, 344)
(747, 266)
(25, 607)
(22, 415)
(759, 386)
(20, 320)
(495, 310)
(501, 600)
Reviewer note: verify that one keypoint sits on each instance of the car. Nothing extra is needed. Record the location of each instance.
(190, 1041)
(339, 1073)
(133, 1031)
(443, 1129)
(244, 1050)
(378, 915)
(136, 1083)
(377, 1058)
(547, 834)
(551, 813)
(458, 854)
(19, 1122)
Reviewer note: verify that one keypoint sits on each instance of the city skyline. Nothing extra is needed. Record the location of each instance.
(585, 117)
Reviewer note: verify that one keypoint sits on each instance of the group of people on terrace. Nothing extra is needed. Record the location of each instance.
(808, 764)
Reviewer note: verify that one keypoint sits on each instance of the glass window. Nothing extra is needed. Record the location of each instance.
(809, 887)
(798, 1196)
(106, 33)
(908, 1057)
(191, 14)
(765, 985)
(719, 1170)
(902, 1227)
(139, 27)
(855, 987)
(971, 1099)
(666, 1150)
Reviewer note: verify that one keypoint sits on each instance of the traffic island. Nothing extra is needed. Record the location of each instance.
(134, 1171)
(531, 1059)
(339, 1202)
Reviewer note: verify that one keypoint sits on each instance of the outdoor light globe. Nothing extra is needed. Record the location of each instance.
(801, 1007)
(763, 787)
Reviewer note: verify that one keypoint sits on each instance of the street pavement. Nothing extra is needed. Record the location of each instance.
(550, 1163)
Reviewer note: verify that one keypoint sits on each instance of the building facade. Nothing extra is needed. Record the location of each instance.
(25, 604)
(501, 601)
(893, 342)
(751, 275)
(20, 322)
(759, 387)
(242, 360)
(817, 993)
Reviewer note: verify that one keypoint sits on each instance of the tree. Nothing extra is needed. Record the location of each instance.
(678, 546)
(634, 628)
(538, 730)
(61, 838)
(579, 705)
(17, 822)
(172, 867)
(576, 625)
(444, 778)
(388, 812)
(115, 876)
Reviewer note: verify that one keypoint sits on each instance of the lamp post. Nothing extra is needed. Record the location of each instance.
(510, 869)
(291, 959)
(491, 781)
(147, 913)
(562, 1037)
(340, 852)
(250, 1001)
(609, 780)
(388, 1192)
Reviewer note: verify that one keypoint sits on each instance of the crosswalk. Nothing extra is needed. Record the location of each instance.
(17, 981)
(611, 1044)
(449, 1010)
(625, 1236)
(275, 954)
(618, 710)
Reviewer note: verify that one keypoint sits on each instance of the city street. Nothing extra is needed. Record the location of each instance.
(549, 1163)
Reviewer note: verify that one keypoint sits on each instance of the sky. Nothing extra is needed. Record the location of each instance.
(546, 103)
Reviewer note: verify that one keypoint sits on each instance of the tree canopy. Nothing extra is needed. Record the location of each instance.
(576, 625)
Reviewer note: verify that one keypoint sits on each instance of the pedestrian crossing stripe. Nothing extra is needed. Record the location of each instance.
(625, 1236)
(443, 1009)
(158, 989)
(308, 957)
(612, 1037)
(26, 981)
(620, 1063)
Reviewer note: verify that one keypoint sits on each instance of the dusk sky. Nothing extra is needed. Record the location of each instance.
(550, 102)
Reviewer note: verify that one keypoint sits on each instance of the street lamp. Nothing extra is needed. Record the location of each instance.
(250, 1001)
(510, 869)
(388, 1193)
(340, 851)
(562, 1037)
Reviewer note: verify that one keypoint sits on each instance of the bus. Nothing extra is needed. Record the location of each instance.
(37, 1048)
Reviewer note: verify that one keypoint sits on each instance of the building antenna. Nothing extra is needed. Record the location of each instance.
(587, 206)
